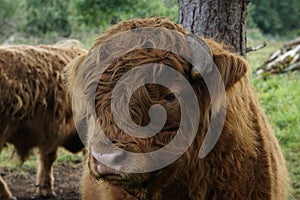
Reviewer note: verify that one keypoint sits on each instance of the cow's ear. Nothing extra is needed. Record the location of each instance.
(232, 67)
(71, 72)
(207, 53)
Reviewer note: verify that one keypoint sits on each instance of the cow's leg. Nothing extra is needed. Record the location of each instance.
(4, 190)
(45, 179)
(5, 193)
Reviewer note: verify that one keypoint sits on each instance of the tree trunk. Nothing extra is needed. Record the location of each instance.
(223, 20)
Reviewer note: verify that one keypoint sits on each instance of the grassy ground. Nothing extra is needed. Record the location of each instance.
(280, 98)
(9, 159)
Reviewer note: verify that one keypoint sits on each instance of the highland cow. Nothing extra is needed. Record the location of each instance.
(245, 163)
(35, 110)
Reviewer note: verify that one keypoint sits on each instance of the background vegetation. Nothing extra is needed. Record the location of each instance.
(275, 22)
(72, 18)
(280, 98)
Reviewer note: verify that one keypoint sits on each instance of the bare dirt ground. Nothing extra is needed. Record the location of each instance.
(67, 179)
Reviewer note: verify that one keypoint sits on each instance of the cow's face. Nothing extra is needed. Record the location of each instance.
(150, 105)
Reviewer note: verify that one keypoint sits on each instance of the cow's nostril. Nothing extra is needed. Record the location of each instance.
(120, 157)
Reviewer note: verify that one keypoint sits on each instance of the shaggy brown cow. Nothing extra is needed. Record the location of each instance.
(35, 110)
(245, 163)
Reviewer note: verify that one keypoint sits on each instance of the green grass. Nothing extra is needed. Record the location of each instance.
(10, 161)
(280, 98)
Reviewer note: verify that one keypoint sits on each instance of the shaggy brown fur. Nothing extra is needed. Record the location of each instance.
(35, 110)
(246, 162)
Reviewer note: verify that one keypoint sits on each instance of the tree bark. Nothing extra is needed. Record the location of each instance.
(222, 20)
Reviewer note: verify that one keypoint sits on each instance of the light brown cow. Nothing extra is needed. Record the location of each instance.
(245, 163)
(35, 110)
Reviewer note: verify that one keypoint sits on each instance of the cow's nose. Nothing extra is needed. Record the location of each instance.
(114, 158)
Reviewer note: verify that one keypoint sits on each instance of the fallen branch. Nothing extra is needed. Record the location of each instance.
(286, 59)
(249, 49)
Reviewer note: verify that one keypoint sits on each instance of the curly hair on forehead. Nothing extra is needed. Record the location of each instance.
(121, 53)
(159, 22)
(245, 163)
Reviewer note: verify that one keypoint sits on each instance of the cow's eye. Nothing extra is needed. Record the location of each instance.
(170, 97)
